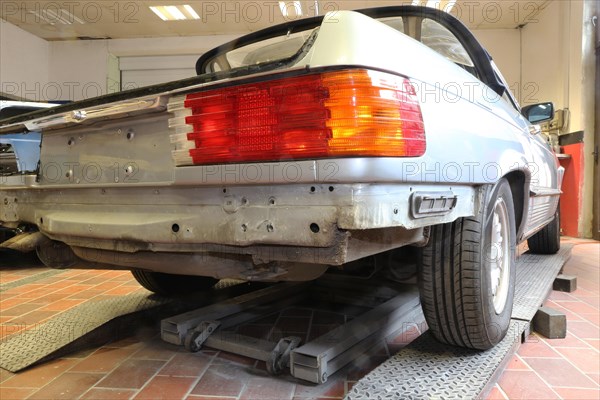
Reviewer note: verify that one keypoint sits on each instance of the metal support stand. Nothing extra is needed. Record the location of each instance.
(319, 359)
(275, 355)
(392, 309)
(231, 312)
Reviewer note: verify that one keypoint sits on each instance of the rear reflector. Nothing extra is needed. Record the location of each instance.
(350, 113)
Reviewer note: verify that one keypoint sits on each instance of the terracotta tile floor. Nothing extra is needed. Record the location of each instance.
(562, 368)
(143, 366)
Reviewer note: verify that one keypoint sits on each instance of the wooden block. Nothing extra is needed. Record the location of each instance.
(565, 283)
(550, 323)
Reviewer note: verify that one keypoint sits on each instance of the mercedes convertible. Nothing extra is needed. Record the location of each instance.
(307, 146)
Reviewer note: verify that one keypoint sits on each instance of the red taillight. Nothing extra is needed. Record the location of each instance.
(331, 114)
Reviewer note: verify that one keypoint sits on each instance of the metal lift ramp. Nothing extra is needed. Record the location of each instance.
(391, 307)
(95, 323)
(427, 369)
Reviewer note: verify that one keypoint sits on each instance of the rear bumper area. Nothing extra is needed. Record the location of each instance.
(320, 224)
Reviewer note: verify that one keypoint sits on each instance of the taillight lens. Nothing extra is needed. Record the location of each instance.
(332, 114)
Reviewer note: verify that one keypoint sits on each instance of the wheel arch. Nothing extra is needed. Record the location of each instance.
(519, 186)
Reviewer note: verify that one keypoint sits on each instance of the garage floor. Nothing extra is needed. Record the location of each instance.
(144, 366)
(563, 368)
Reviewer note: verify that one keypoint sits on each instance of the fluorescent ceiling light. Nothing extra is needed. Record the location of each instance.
(56, 16)
(298, 8)
(175, 13)
(42, 17)
(286, 6)
(156, 11)
(432, 3)
(191, 11)
(416, 2)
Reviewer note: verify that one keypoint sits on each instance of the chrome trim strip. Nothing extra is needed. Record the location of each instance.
(540, 192)
(153, 104)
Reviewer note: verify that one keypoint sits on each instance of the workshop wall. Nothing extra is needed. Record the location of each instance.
(543, 61)
(23, 62)
(88, 62)
(552, 58)
(504, 45)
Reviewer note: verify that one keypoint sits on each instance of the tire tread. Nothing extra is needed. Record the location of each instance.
(169, 284)
(450, 283)
(546, 241)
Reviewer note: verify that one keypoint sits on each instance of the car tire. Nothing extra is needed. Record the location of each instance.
(170, 284)
(6, 234)
(547, 241)
(467, 273)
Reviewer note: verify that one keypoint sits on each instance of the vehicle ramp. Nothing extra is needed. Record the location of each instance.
(427, 369)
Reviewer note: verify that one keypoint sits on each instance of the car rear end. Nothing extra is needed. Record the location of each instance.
(273, 171)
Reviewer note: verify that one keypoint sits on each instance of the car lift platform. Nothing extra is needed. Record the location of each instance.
(427, 369)
(424, 369)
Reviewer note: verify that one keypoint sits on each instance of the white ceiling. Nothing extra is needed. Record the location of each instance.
(68, 20)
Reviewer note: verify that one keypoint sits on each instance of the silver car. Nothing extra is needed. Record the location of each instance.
(303, 147)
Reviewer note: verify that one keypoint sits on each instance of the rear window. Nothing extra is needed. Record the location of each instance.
(435, 36)
(266, 51)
